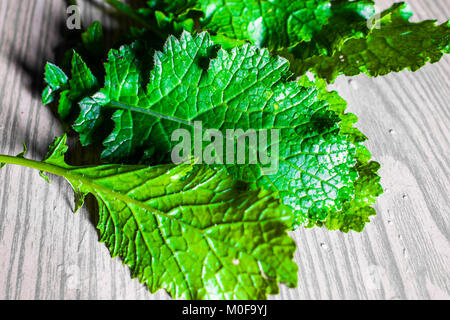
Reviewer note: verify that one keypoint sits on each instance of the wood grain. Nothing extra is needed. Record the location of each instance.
(46, 252)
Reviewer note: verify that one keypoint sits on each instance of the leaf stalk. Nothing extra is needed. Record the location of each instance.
(42, 166)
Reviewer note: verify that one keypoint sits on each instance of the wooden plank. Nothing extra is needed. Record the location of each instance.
(46, 252)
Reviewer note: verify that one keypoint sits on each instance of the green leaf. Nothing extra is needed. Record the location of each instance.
(355, 213)
(273, 24)
(48, 95)
(348, 20)
(22, 154)
(189, 229)
(329, 38)
(93, 40)
(55, 77)
(65, 104)
(83, 82)
(391, 45)
(321, 155)
(71, 90)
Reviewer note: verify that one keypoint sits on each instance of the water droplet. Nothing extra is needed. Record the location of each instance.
(323, 245)
(405, 196)
(389, 222)
(391, 131)
(353, 83)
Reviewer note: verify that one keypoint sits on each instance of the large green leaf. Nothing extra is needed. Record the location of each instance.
(330, 38)
(190, 230)
(391, 44)
(321, 158)
(348, 20)
(273, 24)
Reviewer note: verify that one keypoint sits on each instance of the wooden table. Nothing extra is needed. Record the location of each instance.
(46, 252)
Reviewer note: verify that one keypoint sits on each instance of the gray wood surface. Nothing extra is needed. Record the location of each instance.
(46, 252)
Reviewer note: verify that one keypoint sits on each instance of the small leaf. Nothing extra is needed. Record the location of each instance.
(48, 95)
(56, 80)
(65, 104)
(55, 77)
(83, 81)
(79, 200)
(44, 176)
(22, 154)
(56, 152)
(93, 40)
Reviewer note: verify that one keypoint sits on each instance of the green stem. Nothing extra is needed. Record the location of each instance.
(42, 166)
(122, 7)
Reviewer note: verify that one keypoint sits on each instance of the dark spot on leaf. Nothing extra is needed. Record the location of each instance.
(204, 61)
(320, 122)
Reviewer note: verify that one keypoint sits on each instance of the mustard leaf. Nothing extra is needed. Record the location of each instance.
(191, 230)
(323, 171)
